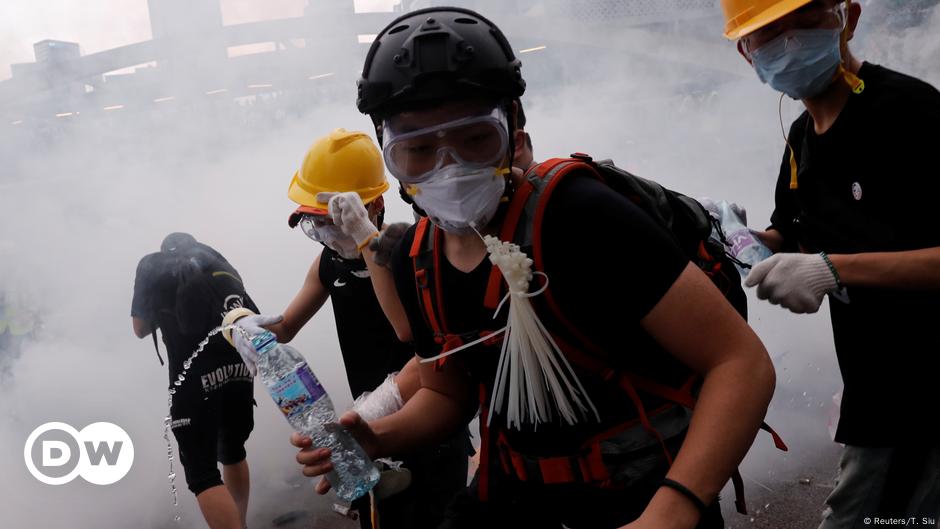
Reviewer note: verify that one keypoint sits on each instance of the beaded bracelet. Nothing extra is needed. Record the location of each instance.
(832, 268)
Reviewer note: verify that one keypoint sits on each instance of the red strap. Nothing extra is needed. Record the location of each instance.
(644, 419)
(420, 230)
(778, 441)
(421, 277)
(510, 222)
(493, 289)
(518, 464)
(438, 294)
(556, 169)
(556, 470)
(542, 169)
(595, 365)
(429, 288)
(427, 303)
(596, 468)
(514, 213)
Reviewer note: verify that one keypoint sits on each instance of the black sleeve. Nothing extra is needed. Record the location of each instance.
(147, 272)
(608, 262)
(785, 206)
(403, 272)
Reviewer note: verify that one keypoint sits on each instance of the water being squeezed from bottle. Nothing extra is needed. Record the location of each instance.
(168, 420)
(279, 366)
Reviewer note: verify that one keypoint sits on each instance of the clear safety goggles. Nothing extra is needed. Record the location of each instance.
(810, 16)
(315, 226)
(475, 141)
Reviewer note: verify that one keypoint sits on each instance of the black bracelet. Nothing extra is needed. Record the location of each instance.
(679, 487)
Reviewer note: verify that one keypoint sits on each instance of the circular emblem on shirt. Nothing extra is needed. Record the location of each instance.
(232, 302)
(856, 191)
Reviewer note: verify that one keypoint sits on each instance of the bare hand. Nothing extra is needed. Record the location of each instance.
(316, 461)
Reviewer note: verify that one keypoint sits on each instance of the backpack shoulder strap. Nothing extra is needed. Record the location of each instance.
(520, 224)
(425, 256)
(156, 348)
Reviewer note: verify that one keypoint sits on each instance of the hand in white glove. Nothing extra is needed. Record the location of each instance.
(386, 242)
(248, 327)
(795, 281)
(350, 215)
(712, 207)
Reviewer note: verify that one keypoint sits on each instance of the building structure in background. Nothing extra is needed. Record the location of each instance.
(194, 64)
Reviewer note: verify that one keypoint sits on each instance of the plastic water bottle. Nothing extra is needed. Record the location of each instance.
(308, 408)
(741, 243)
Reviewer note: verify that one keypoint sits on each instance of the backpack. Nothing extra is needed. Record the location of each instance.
(690, 226)
(205, 286)
(694, 230)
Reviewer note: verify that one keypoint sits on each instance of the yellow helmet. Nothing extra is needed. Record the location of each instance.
(338, 162)
(745, 16)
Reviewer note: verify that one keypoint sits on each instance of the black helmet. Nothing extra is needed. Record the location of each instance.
(177, 241)
(438, 52)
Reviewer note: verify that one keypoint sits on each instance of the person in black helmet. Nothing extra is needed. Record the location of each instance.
(183, 290)
(440, 86)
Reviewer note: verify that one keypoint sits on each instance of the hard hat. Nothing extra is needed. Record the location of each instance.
(336, 163)
(745, 16)
(437, 53)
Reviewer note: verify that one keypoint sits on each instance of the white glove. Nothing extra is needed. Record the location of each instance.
(796, 281)
(248, 327)
(712, 207)
(350, 216)
(385, 400)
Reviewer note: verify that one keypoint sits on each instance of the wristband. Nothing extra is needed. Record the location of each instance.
(682, 489)
(832, 268)
(366, 242)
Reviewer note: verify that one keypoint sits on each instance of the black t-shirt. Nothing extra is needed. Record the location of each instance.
(870, 184)
(371, 349)
(608, 265)
(186, 315)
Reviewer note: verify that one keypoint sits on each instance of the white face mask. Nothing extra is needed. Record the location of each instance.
(459, 199)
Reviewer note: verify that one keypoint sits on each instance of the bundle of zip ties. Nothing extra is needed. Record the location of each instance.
(534, 379)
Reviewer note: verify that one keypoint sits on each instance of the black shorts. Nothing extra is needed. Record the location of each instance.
(212, 428)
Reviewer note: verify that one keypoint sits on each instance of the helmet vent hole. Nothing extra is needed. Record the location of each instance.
(463, 20)
(398, 29)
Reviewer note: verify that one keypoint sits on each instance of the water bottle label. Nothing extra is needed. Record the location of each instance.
(740, 240)
(296, 391)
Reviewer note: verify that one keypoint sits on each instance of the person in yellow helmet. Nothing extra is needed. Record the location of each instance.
(854, 214)
(339, 189)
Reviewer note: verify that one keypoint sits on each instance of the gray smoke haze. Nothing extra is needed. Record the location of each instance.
(82, 202)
